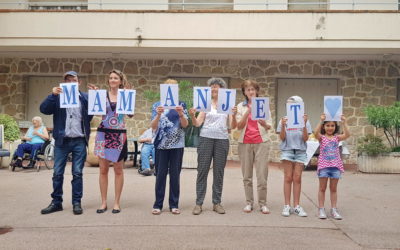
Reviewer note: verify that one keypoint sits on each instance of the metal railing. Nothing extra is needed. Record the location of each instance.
(84, 5)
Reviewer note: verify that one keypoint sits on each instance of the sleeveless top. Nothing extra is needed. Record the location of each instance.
(329, 155)
(215, 125)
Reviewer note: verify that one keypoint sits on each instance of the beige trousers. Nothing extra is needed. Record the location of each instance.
(254, 155)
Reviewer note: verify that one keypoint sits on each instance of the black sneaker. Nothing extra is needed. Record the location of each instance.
(51, 209)
(77, 209)
(146, 172)
(31, 164)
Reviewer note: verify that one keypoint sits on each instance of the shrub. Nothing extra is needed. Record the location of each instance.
(11, 129)
(372, 145)
(388, 119)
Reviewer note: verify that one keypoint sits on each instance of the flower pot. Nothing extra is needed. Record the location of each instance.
(384, 163)
(91, 158)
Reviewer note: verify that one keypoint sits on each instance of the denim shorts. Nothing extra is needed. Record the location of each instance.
(294, 155)
(333, 173)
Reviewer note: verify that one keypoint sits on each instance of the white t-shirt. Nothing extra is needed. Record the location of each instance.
(215, 125)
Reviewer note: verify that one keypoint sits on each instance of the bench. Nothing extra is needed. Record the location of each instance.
(3, 152)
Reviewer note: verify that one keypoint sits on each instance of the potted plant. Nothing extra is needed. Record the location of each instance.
(192, 133)
(374, 156)
(11, 137)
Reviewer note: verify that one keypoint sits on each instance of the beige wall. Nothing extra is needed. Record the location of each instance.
(186, 33)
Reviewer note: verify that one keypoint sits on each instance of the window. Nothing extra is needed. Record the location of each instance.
(205, 5)
(307, 5)
(58, 5)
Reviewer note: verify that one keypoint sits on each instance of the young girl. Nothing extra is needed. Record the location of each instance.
(293, 157)
(330, 166)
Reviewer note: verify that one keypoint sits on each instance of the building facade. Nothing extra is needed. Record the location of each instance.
(309, 53)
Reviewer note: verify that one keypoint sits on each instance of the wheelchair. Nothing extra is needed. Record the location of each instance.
(45, 154)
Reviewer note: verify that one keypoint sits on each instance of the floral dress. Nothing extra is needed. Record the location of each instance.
(111, 138)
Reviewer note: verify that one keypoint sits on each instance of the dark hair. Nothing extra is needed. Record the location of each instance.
(122, 77)
(323, 132)
(250, 83)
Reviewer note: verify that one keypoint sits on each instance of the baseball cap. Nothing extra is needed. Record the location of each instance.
(70, 73)
(295, 99)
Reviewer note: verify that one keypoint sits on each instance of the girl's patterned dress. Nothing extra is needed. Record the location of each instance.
(111, 139)
(329, 155)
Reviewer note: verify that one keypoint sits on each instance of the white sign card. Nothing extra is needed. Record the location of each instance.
(333, 107)
(202, 99)
(295, 113)
(97, 102)
(169, 96)
(226, 100)
(69, 97)
(126, 99)
(260, 108)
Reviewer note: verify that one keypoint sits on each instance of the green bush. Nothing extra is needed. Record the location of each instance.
(11, 129)
(371, 145)
(388, 119)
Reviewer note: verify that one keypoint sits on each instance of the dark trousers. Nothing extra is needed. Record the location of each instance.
(28, 148)
(77, 147)
(168, 161)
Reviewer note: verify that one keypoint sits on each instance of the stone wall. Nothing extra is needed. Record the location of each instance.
(360, 82)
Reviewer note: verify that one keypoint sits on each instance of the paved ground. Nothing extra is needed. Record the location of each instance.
(369, 203)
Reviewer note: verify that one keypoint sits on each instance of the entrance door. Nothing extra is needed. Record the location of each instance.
(311, 90)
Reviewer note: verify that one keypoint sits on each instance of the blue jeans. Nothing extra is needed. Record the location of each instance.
(168, 161)
(147, 150)
(77, 147)
(28, 148)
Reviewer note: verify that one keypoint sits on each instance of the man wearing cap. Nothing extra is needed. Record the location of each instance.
(71, 133)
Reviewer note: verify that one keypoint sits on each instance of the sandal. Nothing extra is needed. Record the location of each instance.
(175, 211)
(156, 211)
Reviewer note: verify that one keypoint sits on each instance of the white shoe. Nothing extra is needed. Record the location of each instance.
(321, 213)
(335, 214)
(264, 209)
(248, 208)
(286, 210)
(300, 211)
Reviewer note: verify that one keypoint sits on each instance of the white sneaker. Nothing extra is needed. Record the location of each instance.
(321, 213)
(248, 208)
(286, 210)
(335, 214)
(300, 211)
(264, 209)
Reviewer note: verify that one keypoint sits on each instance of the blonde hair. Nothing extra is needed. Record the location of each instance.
(122, 77)
(171, 81)
(39, 119)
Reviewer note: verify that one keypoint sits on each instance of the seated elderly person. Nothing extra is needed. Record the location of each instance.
(35, 137)
(147, 151)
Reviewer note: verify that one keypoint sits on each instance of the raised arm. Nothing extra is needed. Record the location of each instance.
(305, 132)
(232, 118)
(243, 119)
(346, 132)
(156, 119)
(317, 130)
(282, 134)
(200, 118)
(182, 118)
